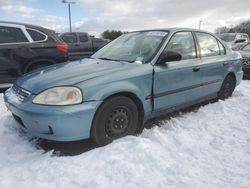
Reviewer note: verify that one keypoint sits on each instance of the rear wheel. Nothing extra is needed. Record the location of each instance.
(227, 88)
(116, 118)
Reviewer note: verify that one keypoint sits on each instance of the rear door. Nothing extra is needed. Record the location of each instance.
(85, 45)
(178, 83)
(12, 53)
(214, 63)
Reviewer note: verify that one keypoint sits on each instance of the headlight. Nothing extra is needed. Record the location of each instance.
(59, 96)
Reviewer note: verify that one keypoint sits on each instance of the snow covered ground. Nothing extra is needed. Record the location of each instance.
(209, 147)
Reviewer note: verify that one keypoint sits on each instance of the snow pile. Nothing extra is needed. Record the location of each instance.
(206, 148)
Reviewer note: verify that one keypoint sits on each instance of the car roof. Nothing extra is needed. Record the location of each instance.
(75, 33)
(175, 29)
(25, 24)
(170, 29)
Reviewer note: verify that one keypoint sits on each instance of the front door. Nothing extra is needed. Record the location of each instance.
(178, 83)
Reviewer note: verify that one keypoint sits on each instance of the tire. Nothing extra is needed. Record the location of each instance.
(227, 88)
(115, 118)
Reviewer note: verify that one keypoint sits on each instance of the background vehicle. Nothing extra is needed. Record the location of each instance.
(24, 48)
(138, 76)
(81, 44)
(234, 39)
(245, 53)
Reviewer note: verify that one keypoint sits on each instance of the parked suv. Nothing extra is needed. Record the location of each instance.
(81, 44)
(138, 76)
(24, 48)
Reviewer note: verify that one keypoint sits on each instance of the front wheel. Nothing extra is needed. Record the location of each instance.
(117, 117)
(227, 88)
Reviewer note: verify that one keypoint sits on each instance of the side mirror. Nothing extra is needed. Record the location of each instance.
(168, 56)
(240, 41)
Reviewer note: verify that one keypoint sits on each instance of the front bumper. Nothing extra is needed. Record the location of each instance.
(59, 123)
(246, 70)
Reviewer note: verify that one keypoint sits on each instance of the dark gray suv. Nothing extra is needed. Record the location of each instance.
(25, 47)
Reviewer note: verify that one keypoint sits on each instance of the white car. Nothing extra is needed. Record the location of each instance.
(234, 39)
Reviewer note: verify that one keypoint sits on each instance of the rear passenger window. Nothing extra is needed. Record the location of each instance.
(222, 49)
(70, 38)
(208, 45)
(83, 38)
(182, 43)
(11, 35)
(36, 35)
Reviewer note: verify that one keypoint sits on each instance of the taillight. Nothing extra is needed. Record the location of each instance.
(62, 47)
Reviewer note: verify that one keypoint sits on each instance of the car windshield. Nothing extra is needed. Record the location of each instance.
(227, 37)
(131, 47)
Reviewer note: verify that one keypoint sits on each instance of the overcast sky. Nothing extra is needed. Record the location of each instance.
(95, 16)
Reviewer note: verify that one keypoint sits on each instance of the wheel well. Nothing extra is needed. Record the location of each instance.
(231, 74)
(138, 103)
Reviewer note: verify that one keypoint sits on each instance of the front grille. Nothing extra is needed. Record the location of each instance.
(21, 93)
(246, 62)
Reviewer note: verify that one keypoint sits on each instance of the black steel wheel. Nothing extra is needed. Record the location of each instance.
(227, 88)
(117, 117)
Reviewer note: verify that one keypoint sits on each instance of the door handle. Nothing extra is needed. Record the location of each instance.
(225, 63)
(196, 69)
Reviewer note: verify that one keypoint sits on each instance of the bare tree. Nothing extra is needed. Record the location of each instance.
(222, 30)
(243, 27)
(111, 34)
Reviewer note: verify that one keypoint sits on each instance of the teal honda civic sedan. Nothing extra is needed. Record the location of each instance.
(138, 76)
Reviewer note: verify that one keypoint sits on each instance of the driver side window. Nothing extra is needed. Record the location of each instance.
(182, 43)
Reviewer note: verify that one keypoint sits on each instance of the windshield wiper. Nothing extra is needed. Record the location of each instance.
(105, 58)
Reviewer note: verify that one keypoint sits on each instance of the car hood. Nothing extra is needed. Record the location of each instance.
(70, 74)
